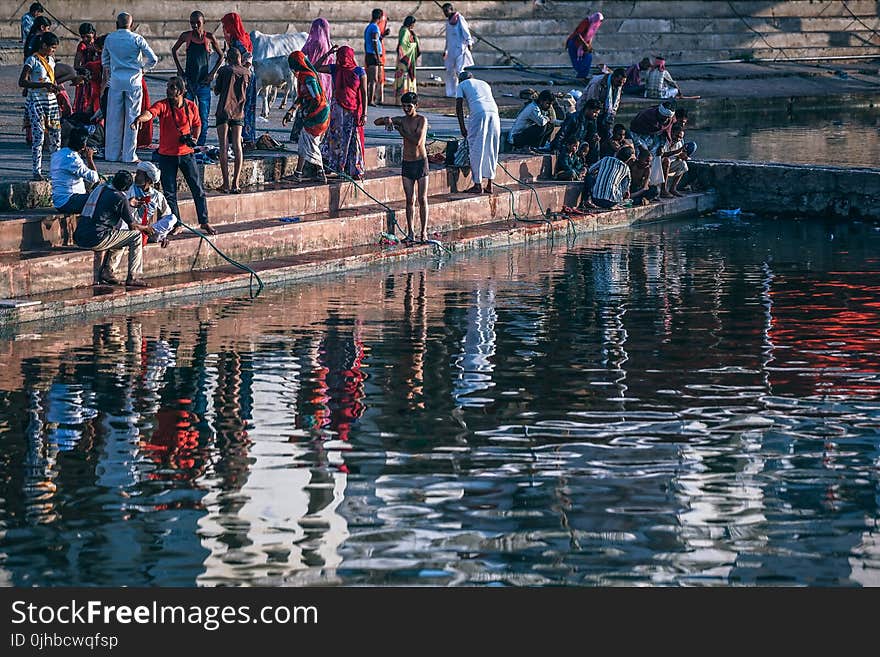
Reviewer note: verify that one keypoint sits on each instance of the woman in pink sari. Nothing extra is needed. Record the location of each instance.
(316, 46)
(580, 44)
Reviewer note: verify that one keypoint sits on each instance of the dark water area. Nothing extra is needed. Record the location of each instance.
(687, 403)
(828, 137)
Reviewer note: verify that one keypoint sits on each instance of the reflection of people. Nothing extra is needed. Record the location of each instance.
(415, 311)
(458, 47)
(413, 127)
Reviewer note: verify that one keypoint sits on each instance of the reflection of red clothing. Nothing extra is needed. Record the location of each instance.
(174, 441)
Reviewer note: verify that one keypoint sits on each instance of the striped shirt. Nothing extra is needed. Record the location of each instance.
(612, 179)
(657, 83)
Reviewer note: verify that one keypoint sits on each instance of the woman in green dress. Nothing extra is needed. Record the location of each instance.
(407, 53)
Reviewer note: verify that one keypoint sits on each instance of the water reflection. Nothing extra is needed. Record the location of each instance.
(688, 403)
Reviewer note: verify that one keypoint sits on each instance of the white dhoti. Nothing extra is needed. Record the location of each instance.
(123, 107)
(309, 148)
(455, 64)
(484, 140)
(163, 226)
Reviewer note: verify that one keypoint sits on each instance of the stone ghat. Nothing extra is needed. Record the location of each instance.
(464, 222)
(686, 30)
(793, 190)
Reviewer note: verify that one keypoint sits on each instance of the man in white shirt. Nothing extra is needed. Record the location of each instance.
(534, 124)
(150, 205)
(483, 131)
(458, 47)
(125, 56)
(69, 173)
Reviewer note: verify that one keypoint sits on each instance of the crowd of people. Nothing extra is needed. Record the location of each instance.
(328, 115)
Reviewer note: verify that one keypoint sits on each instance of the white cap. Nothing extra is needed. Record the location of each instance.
(150, 169)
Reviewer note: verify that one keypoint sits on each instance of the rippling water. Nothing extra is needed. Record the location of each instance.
(689, 403)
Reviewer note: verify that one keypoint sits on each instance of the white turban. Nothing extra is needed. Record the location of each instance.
(150, 169)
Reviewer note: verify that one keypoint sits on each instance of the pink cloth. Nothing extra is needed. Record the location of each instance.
(318, 43)
(587, 29)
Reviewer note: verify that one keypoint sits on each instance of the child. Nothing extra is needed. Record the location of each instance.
(38, 79)
(569, 165)
(674, 167)
(618, 140)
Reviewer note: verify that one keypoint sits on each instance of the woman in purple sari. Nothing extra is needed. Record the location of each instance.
(316, 46)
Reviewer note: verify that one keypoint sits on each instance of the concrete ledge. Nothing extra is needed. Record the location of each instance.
(283, 270)
(793, 190)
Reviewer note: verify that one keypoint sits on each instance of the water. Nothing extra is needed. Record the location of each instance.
(689, 403)
(822, 137)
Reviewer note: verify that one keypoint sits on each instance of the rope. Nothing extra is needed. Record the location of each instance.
(525, 184)
(391, 214)
(860, 21)
(232, 262)
(760, 34)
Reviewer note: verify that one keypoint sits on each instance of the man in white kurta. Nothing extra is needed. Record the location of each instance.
(483, 130)
(458, 47)
(126, 55)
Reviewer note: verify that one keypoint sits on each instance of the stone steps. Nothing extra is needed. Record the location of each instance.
(37, 229)
(52, 306)
(718, 29)
(30, 273)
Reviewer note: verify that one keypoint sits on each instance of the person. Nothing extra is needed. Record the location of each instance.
(569, 165)
(38, 79)
(606, 88)
(179, 128)
(343, 147)
(318, 45)
(534, 124)
(125, 56)
(640, 175)
(97, 230)
(150, 205)
(34, 11)
(373, 47)
(39, 27)
(659, 83)
(633, 85)
(650, 127)
(315, 113)
(580, 44)
(237, 37)
(675, 160)
(198, 75)
(408, 51)
(87, 62)
(483, 131)
(231, 89)
(457, 55)
(69, 170)
(610, 179)
(580, 127)
(618, 140)
(413, 127)
(384, 31)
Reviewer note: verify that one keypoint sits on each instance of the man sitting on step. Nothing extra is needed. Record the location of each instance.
(97, 230)
(150, 205)
(71, 168)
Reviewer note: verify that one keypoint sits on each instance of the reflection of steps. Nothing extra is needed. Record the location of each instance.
(333, 216)
(687, 30)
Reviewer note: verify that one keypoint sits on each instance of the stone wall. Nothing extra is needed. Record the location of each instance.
(792, 190)
(687, 30)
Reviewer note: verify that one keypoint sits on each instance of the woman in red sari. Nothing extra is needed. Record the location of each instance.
(343, 148)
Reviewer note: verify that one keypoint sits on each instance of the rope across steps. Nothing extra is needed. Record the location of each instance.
(261, 239)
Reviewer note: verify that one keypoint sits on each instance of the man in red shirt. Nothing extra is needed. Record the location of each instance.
(179, 129)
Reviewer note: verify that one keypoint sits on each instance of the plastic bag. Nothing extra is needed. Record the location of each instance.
(462, 157)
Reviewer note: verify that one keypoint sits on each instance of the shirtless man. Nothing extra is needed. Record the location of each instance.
(412, 127)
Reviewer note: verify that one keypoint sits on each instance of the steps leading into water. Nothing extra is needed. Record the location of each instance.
(501, 231)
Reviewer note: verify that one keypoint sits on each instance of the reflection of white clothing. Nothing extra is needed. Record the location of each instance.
(458, 54)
